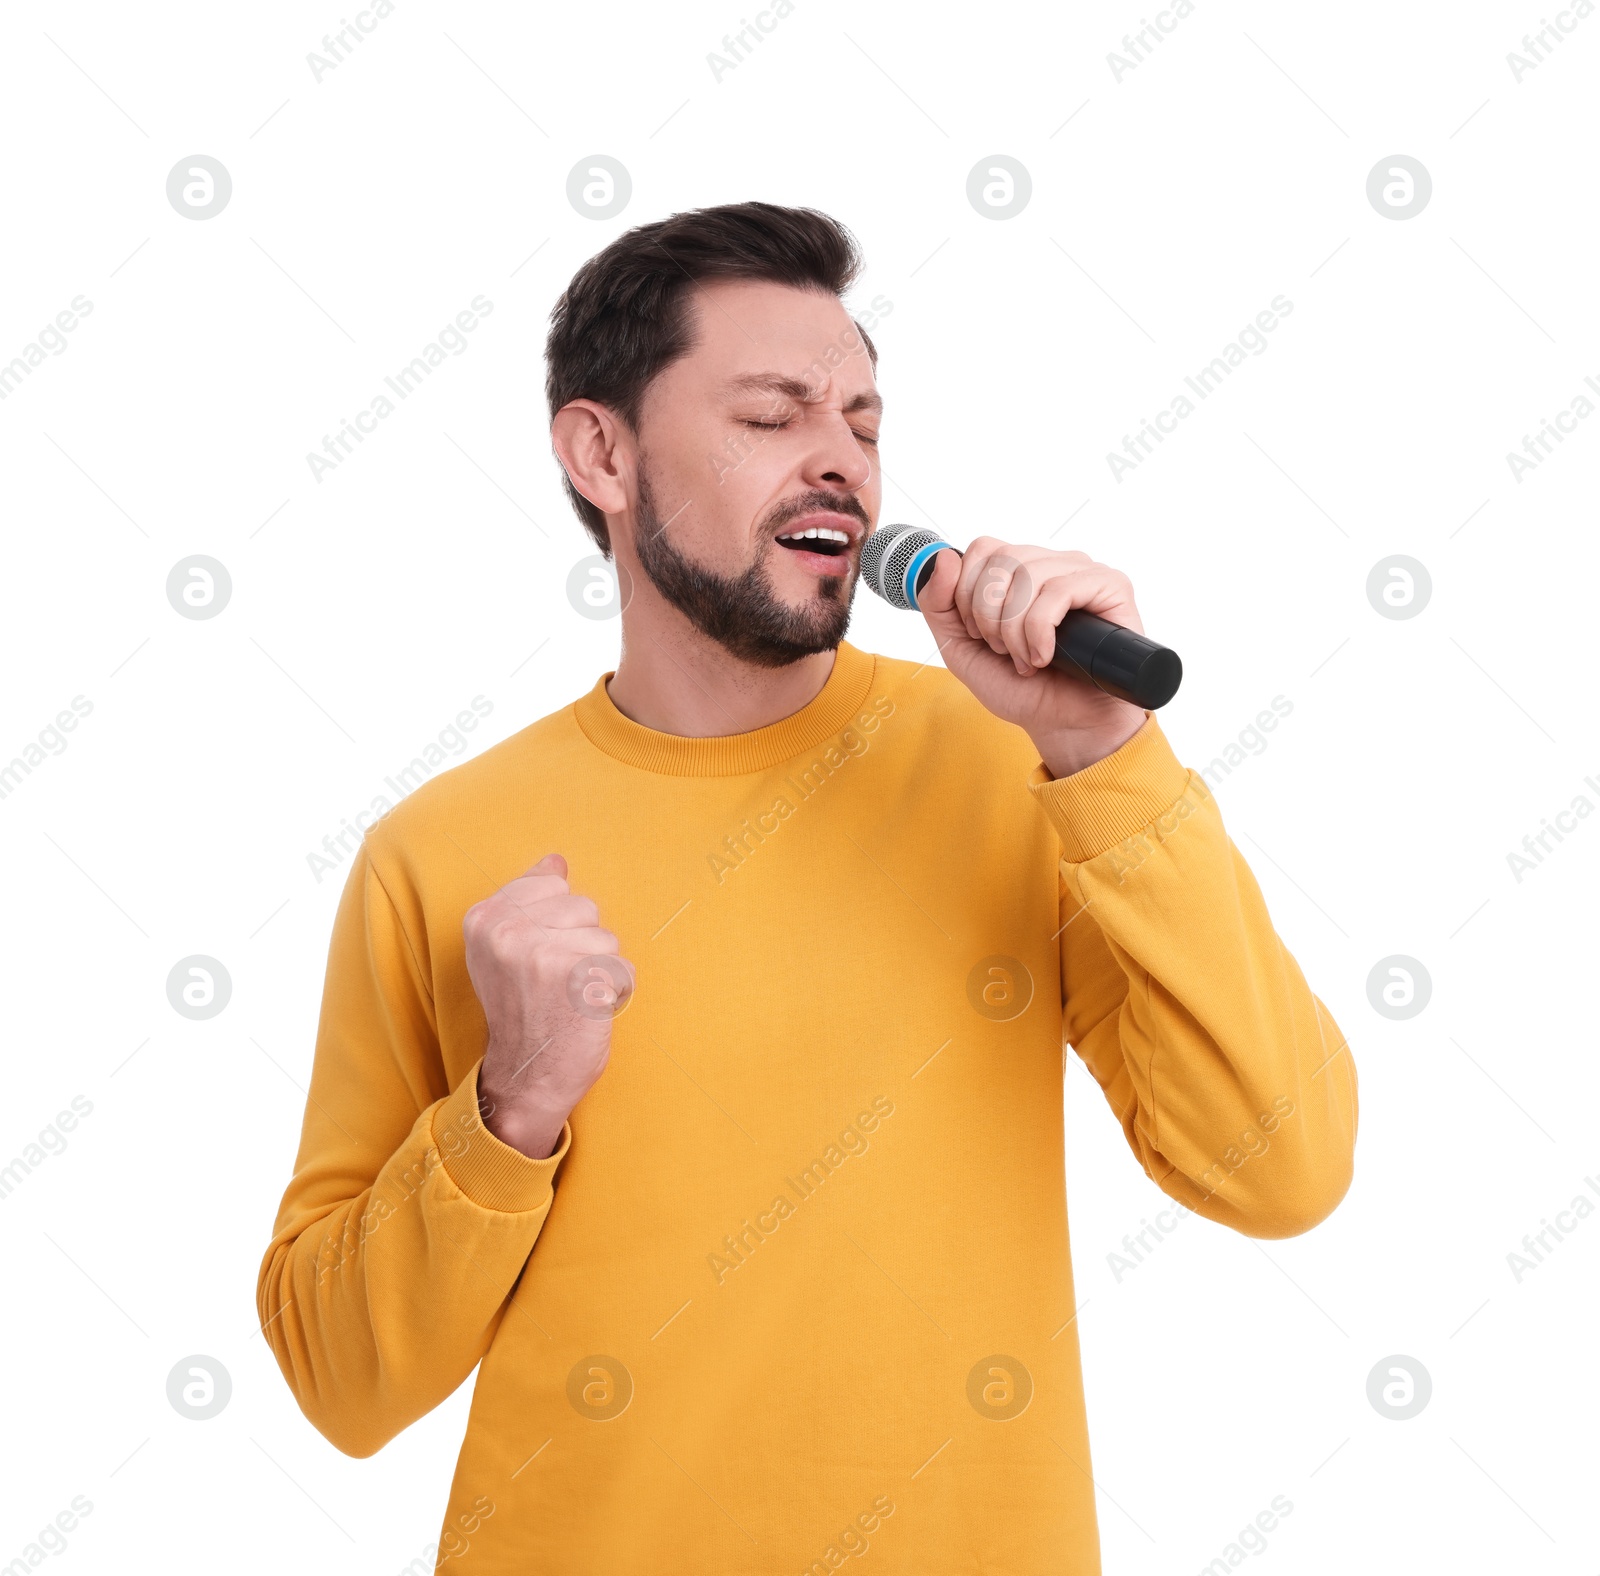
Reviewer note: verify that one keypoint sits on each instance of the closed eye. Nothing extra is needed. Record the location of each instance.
(778, 426)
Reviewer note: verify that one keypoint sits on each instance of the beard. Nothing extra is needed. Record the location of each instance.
(743, 613)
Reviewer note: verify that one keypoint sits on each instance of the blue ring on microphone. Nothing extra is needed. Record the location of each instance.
(914, 568)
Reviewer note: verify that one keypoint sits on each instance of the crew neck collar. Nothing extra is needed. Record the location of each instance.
(734, 754)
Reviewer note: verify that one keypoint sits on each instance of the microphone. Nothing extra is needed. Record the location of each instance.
(897, 562)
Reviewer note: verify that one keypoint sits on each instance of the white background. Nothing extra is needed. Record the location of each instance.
(1168, 208)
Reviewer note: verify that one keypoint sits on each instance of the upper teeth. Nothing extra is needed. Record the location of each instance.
(827, 533)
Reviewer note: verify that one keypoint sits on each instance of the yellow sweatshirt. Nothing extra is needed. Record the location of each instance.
(794, 1288)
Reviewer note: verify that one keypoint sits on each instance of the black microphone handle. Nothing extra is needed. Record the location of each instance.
(1120, 661)
(1117, 660)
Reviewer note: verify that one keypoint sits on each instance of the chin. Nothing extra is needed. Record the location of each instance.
(807, 630)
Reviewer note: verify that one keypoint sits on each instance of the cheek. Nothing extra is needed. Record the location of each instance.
(731, 510)
(765, 473)
(696, 492)
(872, 493)
(718, 531)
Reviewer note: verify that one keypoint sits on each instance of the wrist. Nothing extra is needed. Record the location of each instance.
(530, 1127)
(1071, 750)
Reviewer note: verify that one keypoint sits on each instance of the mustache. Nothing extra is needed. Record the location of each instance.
(808, 503)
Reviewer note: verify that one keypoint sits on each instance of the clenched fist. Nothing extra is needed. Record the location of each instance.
(549, 980)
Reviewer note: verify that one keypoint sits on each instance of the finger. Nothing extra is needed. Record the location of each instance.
(1052, 604)
(972, 567)
(547, 875)
(995, 594)
(565, 911)
(527, 892)
(972, 562)
(588, 941)
(1014, 578)
(1093, 589)
(599, 985)
(1022, 593)
(525, 897)
(1100, 589)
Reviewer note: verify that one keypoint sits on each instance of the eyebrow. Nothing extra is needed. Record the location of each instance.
(796, 389)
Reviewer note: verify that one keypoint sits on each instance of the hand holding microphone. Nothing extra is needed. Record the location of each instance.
(897, 561)
(1050, 641)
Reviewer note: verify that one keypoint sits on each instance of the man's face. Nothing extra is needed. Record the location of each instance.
(767, 429)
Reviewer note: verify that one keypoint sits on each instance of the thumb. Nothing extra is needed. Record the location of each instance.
(550, 865)
(937, 599)
(939, 595)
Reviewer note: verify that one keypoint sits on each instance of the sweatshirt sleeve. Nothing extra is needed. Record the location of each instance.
(1234, 1086)
(407, 1223)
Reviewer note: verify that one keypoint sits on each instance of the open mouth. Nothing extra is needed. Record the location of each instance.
(817, 539)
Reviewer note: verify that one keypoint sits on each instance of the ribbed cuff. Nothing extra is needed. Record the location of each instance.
(1106, 803)
(491, 1173)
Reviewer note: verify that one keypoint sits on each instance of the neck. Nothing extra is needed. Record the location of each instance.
(672, 678)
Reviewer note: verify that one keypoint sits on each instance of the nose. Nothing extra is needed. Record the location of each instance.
(838, 460)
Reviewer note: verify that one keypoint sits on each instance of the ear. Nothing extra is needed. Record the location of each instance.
(596, 451)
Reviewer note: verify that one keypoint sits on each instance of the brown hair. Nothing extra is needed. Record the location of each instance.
(624, 317)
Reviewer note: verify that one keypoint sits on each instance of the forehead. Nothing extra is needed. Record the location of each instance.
(747, 326)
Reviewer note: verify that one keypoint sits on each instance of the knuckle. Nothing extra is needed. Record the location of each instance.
(481, 923)
(545, 950)
(506, 943)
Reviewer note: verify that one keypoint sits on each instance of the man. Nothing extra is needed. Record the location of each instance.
(759, 1232)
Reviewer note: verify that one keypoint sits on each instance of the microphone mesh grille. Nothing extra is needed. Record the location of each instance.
(872, 551)
(885, 556)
